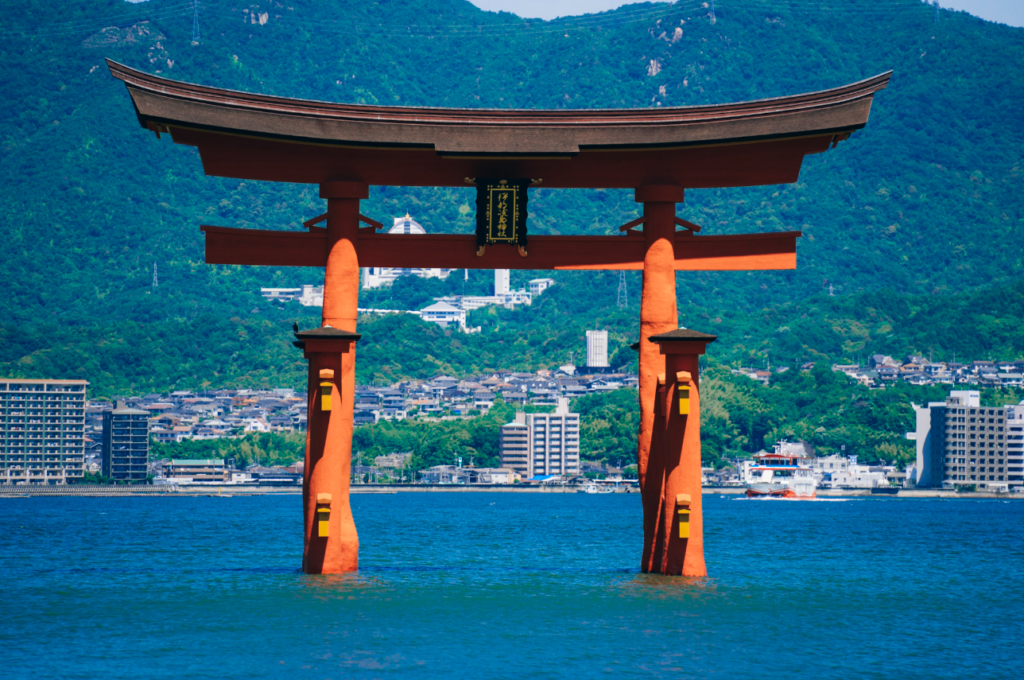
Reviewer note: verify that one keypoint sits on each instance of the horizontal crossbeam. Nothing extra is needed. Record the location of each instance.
(740, 252)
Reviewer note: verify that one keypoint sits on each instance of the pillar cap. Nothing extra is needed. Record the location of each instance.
(683, 335)
(344, 190)
(327, 333)
(659, 193)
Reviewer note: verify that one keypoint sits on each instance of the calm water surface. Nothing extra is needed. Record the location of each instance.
(491, 585)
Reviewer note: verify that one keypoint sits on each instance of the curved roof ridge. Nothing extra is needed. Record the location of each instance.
(426, 115)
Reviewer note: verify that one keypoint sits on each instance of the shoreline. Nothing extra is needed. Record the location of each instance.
(227, 491)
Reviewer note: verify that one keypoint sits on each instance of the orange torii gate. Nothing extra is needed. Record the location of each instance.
(345, 148)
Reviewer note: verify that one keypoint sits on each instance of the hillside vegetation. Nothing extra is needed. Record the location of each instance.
(915, 221)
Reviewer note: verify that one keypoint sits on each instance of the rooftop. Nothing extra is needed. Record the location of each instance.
(252, 136)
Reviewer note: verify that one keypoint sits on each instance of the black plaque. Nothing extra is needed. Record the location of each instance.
(501, 211)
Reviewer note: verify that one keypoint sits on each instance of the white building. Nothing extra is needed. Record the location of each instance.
(542, 443)
(444, 315)
(502, 281)
(503, 295)
(829, 469)
(597, 349)
(538, 286)
(375, 277)
(307, 295)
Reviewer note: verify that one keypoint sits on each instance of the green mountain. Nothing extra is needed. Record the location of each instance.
(915, 222)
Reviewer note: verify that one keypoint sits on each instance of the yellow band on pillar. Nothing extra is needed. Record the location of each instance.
(324, 522)
(684, 524)
(325, 396)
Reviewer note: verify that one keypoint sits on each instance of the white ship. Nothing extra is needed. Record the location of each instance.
(781, 473)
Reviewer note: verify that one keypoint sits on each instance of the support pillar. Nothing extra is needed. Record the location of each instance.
(680, 549)
(325, 482)
(658, 314)
(332, 349)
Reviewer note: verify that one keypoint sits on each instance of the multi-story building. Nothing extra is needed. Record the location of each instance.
(125, 443)
(210, 470)
(308, 295)
(42, 431)
(597, 349)
(538, 286)
(960, 442)
(514, 445)
(1015, 445)
(444, 315)
(540, 444)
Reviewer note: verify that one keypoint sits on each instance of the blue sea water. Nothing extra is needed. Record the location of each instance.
(492, 585)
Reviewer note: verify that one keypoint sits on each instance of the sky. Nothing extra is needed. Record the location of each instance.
(1003, 11)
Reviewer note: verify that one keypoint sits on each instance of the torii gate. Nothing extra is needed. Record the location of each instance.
(345, 148)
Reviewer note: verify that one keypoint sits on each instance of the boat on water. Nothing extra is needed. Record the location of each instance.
(783, 473)
(595, 488)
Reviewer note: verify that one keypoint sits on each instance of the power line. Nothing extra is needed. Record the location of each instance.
(48, 29)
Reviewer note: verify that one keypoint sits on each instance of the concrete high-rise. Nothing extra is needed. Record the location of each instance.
(960, 442)
(42, 431)
(542, 443)
(502, 282)
(126, 444)
(597, 349)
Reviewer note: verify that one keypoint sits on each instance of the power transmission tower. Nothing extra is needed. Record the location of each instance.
(623, 295)
(713, 20)
(936, 12)
(195, 22)
(156, 282)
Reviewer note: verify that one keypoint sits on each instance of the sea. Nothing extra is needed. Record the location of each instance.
(510, 585)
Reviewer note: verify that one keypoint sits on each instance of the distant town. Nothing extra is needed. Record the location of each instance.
(50, 434)
(883, 370)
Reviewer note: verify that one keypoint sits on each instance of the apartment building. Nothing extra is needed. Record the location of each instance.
(42, 431)
(960, 442)
(597, 349)
(540, 444)
(125, 443)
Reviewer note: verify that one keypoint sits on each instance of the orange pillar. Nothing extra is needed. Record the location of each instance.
(326, 477)
(657, 314)
(681, 548)
(329, 436)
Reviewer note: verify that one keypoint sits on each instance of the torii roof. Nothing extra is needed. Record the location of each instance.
(253, 136)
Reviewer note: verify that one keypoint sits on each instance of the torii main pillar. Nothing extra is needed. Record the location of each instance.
(332, 357)
(668, 446)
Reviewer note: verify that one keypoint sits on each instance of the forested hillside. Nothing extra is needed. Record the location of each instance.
(915, 221)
